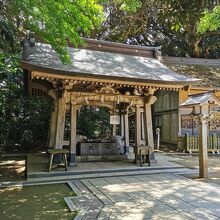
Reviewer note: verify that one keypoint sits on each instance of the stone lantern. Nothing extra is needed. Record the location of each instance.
(201, 105)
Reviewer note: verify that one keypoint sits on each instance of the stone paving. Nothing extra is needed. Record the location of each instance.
(154, 196)
(37, 166)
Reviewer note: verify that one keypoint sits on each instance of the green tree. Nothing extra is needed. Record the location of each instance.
(180, 19)
(170, 23)
(23, 120)
(93, 122)
(210, 21)
(55, 22)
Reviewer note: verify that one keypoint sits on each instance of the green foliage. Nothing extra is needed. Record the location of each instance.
(130, 5)
(169, 23)
(52, 21)
(123, 19)
(93, 122)
(210, 21)
(23, 120)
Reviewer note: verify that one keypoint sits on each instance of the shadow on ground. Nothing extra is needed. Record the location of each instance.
(12, 169)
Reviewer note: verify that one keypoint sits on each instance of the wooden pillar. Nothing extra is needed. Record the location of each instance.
(122, 130)
(114, 127)
(137, 130)
(73, 134)
(52, 129)
(126, 129)
(142, 127)
(122, 126)
(179, 123)
(60, 122)
(149, 124)
(137, 126)
(203, 143)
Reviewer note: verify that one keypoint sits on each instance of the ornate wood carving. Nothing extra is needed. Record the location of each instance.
(107, 90)
(103, 99)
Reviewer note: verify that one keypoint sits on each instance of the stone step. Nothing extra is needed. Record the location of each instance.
(98, 171)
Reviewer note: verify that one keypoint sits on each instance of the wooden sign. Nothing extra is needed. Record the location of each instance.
(114, 120)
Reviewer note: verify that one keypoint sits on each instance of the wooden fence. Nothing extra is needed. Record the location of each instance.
(187, 60)
(192, 143)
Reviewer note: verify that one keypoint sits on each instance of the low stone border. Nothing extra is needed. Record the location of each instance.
(56, 180)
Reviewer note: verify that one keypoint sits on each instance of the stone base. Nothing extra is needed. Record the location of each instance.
(102, 158)
(152, 156)
(72, 164)
(72, 159)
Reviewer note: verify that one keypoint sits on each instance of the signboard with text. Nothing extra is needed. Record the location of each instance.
(114, 120)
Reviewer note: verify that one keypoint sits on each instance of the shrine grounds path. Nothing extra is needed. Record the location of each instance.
(165, 195)
(154, 196)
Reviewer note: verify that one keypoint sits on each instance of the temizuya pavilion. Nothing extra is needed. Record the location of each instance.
(122, 77)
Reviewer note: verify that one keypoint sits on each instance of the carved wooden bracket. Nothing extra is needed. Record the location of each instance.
(150, 99)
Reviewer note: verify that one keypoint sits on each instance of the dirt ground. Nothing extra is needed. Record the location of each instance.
(12, 168)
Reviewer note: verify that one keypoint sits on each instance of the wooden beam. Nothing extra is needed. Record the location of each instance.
(122, 82)
(83, 98)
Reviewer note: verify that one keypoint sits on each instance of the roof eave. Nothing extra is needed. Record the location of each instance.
(34, 67)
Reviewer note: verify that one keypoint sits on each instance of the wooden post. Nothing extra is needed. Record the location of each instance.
(203, 142)
(148, 124)
(179, 123)
(61, 111)
(52, 129)
(137, 131)
(73, 134)
(137, 126)
(142, 127)
(214, 141)
(114, 127)
(122, 125)
(122, 130)
(126, 129)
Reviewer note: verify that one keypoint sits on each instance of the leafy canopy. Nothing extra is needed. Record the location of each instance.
(53, 21)
(210, 21)
(169, 23)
